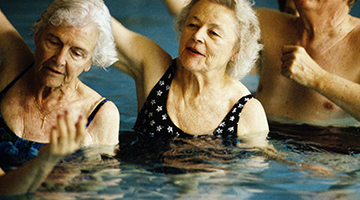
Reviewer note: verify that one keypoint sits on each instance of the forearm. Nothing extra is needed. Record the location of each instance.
(340, 91)
(27, 178)
(175, 6)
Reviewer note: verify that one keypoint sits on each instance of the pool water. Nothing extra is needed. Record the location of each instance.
(192, 168)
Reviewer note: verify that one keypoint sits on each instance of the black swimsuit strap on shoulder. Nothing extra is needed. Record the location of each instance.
(3, 92)
(92, 115)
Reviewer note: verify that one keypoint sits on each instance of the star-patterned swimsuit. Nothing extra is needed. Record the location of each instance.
(154, 120)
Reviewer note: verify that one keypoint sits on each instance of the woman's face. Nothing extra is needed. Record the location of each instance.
(63, 53)
(208, 38)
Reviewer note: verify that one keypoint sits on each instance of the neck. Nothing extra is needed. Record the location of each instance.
(199, 83)
(45, 94)
(324, 21)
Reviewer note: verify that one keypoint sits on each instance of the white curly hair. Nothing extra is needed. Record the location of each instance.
(82, 13)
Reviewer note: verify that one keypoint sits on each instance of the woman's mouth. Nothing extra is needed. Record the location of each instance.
(53, 70)
(193, 51)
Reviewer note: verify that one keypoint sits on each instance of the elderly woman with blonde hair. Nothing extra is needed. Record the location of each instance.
(198, 93)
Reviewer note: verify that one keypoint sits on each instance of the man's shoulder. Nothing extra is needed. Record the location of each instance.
(272, 19)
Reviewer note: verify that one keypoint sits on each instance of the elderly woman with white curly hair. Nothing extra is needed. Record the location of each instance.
(200, 93)
(37, 89)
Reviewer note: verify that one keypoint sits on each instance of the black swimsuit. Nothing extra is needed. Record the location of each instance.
(16, 151)
(154, 120)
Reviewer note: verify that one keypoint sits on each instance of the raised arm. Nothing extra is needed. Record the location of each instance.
(15, 55)
(65, 139)
(141, 58)
(175, 6)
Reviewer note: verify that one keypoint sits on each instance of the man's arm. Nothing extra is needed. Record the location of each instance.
(299, 66)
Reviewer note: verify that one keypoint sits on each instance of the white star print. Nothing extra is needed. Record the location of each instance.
(232, 118)
(159, 108)
(153, 102)
(159, 93)
(158, 128)
(222, 124)
(150, 114)
(161, 83)
(152, 123)
(170, 129)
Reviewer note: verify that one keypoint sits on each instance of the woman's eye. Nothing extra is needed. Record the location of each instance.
(214, 33)
(191, 25)
(78, 54)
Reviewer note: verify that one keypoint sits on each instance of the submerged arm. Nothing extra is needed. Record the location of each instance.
(27, 178)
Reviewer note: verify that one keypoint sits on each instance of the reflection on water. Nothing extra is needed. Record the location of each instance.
(212, 168)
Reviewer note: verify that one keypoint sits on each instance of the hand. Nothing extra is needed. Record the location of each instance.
(66, 137)
(299, 66)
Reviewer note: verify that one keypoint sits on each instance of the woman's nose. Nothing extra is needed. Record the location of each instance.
(199, 35)
(60, 57)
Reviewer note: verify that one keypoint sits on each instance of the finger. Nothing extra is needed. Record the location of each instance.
(54, 136)
(287, 56)
(285, 69)
(80, 129)
(70, 126)
(62, 129)
(288, 49)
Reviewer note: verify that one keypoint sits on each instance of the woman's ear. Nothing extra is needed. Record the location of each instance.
(87, 68)
(235, 56)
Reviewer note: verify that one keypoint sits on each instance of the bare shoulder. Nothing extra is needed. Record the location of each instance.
(272, 19)
(266, 14)
(253, 127)
(104, 127)
(253, 118)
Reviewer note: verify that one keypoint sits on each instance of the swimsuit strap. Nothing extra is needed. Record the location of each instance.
(92, 115)
(7, 88)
